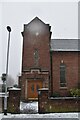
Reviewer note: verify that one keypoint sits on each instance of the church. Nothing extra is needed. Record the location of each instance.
(47, 63)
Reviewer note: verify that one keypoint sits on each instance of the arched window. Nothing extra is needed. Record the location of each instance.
(62, 75)
(36, 57)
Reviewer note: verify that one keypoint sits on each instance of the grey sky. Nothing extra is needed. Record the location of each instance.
(62, 16)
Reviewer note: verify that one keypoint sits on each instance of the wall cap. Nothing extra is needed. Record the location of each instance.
(62, 98)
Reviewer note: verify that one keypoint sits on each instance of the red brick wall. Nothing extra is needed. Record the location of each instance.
(14, 101)
(32, 42)
(70, 59)
(57, 104)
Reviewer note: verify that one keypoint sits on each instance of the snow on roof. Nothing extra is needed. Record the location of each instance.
(14, 88)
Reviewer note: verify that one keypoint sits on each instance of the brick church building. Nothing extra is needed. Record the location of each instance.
(47, 63)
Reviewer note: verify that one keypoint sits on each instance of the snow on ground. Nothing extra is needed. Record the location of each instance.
(51, 115)
(30, 107)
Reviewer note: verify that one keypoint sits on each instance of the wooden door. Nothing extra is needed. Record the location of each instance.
(32, 88)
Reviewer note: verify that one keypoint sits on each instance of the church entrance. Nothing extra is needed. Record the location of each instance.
(32, 89)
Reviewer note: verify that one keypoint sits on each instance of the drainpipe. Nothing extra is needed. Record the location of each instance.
(51, 74)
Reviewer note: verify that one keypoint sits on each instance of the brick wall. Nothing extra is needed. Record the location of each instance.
(42, 100)
(41, 42)
(14, 100)
(70, 59)
(47, 104)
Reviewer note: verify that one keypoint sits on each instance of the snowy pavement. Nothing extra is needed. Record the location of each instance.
(40, 119)
(72, 116)
(29, 108)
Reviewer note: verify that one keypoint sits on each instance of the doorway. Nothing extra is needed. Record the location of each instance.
(32, 88)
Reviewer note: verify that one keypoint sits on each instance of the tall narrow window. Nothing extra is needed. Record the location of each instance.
(36, 57)
(62, 75)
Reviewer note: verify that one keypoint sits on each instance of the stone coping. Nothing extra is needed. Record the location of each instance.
(62, 98)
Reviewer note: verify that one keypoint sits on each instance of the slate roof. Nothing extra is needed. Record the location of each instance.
(65, 44)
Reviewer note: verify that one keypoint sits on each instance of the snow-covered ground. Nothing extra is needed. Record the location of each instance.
(51, 115)
(30, 107)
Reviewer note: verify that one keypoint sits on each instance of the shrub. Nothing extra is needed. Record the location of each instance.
(75, 92)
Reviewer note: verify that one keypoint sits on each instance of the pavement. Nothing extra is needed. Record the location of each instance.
(40, 119)
(51, 116)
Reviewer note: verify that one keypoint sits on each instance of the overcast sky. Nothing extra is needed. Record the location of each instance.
(62, 16)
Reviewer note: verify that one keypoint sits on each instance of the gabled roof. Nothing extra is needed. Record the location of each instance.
(65, 45)
(36, 19)
(36, 26)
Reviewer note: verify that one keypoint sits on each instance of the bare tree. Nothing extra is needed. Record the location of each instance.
(10, 81)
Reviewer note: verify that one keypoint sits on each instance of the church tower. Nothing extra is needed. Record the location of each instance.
(35, 59)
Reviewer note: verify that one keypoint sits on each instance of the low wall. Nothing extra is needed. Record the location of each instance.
(47, 104)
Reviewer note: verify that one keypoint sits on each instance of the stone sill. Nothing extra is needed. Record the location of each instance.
(63, 88)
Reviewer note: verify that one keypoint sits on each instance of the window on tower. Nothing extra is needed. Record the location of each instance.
(36, 57)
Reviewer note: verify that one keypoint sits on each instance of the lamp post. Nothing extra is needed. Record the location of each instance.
(5, 98)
